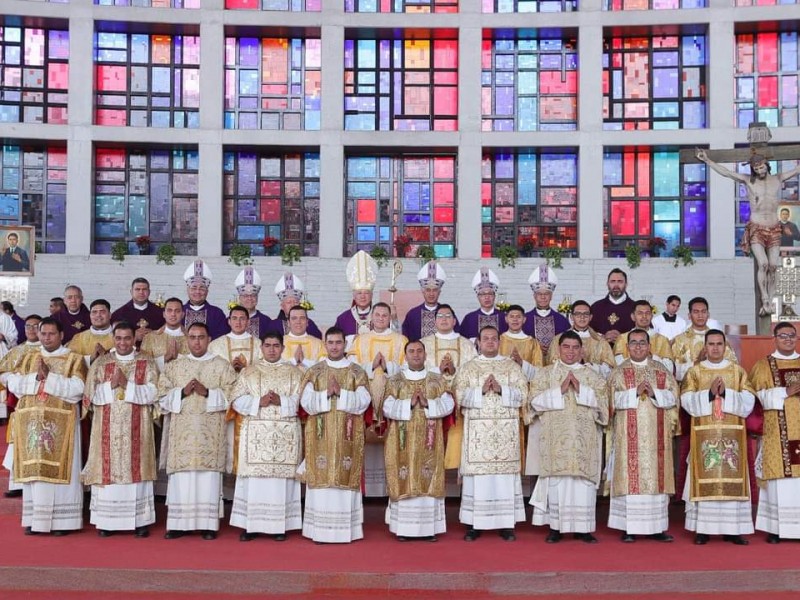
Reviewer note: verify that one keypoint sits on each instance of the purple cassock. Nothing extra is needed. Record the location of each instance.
(476, 320)
(73, 324)
(544, 329)
(421, 322)
(281, 325)
(259, 324)
(347, 322)
(19, 323)
(150, 317)
(211, 315)
(607, 316)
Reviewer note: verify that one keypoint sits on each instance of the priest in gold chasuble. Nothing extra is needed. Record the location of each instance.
(571, 402)
(776, 380)
(490, 390)
(335, 395)
(47, 437)
(194, 390)
(270, 445)
(644, 397)
(121, 390)
(168, 342)
(416, 403)
(718, 396)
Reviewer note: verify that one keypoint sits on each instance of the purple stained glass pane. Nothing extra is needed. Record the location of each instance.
(694, 223)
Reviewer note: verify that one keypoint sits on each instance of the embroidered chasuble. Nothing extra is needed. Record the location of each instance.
(196, 440)
(686, 349)
(660, 348)
(596, 350)
(718, 443)
(156, 343)
(334, 440)
(642, 430)
(780, 444)
(364, 349)
(491, 444)
(571, 437)
(529, 349)
(313, 349)
(227, 347)
(9, 364)
(122, 446)
(414, 449)
(270, 442)
(44, 425)
(85, 343)
(544, 328)
(461, 350)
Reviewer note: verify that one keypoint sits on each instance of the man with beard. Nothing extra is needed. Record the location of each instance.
(612, 314)
(762, 235)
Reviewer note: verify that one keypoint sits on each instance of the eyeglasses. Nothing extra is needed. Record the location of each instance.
(786, 336)
(444, 316)
(638, 343)
(581, 314)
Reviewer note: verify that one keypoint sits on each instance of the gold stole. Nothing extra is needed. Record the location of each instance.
(781, 440)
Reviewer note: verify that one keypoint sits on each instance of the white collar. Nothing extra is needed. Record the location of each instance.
(139, 306)
(493, 358)
(385, 332)
(77, 312)
(779, 356)
(239, 336)
(453, 335)
(127, 358)
(488, 314)
(720, 365)
(37, 344)
(177, 332)
(543, 312)
(641, 363)
(61, 350)
(519, 335)
(582, 334)
(207, 356)
(297, 337)
(429, 307)
(338, 364)
(572, 367)
(201, 307)
(414, 375)
(105, 331)
(622, 299)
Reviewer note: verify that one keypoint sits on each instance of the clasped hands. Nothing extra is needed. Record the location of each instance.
(570, 381)
(418, 399)
(446, 367)
(645, 389)
(195, 387)
(491, 385)
(380, 361)
(333, 386)
(270, 398)
(42, 370)
(717, 387)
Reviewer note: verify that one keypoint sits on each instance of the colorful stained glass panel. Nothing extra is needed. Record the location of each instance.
(287, 5)
(528, 6)
(401, 6)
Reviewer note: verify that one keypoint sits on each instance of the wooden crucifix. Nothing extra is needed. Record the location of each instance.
(762, 235)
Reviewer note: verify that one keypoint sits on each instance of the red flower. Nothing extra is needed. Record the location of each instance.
(270, 242)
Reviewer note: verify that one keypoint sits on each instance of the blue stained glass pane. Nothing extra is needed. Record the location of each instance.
(311, 189)
(486, 214)
(670, 231)
(361, 190)
(444, 250)
(789, 51)
(9, 206)
(744, 212)
(384, 234)
(251, 232)
(666, 210)
(694, 172)
(694, 115)
(137, 215)
(694, 223)
(411, 200)
(666, 175)
(694, 50)
(665, 83)
(504, 166)
(664, 110)
(558, 169)
(365, 234)
(612, 169)
(768, 116)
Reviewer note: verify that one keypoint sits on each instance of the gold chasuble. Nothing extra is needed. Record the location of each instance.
(491, 443)
(780, 444)
(596, 350)
(44, 425)
(196, 438)
(659, 346)
(231, 346)
(270, 443)
(686, 349)
(528, 348)
(122, 447)
(641, 436)
(156, 343)
(414, 449)
(461, 350)
(571, 438)
(313, 348)
(334, 440)
(718, 450)
(85, 342)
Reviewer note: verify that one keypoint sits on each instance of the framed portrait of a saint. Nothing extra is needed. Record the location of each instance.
(789, 221)
(17, 243)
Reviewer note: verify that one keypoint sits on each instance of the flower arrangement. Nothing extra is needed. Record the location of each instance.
(143, 244)
(426, 253)
(233, 302)
(502, 304)
(564, 307)
(119, 251)
(525, 245)
(240, 254)
(682, 254)
(270, 244)
(306, 303)
(656, 243)
(401, 245)
(160, 302)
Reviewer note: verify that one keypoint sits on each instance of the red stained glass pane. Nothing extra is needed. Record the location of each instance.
(112, 78)
(271, 188)
(443, 194)
(117, 118)
(623, 218)
(443, 168)
(486, 194)
(643, 178)
(445, 54)
(271, 211)
(767, 91)
(366, 211)
(443, 215)
(644, 218)
(767, 48)
(550, 82)
(629, 168)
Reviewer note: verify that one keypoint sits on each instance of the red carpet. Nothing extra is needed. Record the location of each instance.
(379, 563)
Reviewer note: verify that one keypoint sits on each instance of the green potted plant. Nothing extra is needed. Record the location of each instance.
(633, 254)
(380, 255)
(554, 255)
(166, 254)
(119, 251)
(682, 255)
(240, 255)
(507, 256)
(290, 254)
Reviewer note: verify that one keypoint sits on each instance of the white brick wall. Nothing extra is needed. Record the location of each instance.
(727, 284)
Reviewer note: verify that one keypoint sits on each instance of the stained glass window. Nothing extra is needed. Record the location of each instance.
(146, 192)
(288, 5)
(788, 193)
(404, 83)
(649, 193)
(389, 196)
(401, 6)
(271, 195)
(33, 191)
(529, 80)
(147, 80)
(34, 75)
(529, 199)
(763, 2)
(272, 83)
(654, 82)
(528, 6)
(151, 3)
(652, 4)
(766, 78)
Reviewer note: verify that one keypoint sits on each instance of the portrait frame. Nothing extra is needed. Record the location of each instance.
(25, 251)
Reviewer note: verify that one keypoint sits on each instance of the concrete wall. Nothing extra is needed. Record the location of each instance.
(727, 284)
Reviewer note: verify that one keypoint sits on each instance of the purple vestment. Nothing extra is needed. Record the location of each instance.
(421, 322)
(73, 324)
(607, 316)
(151, 317)
(211, 315)
(544, 329)
(259, 324)
(476, 320)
